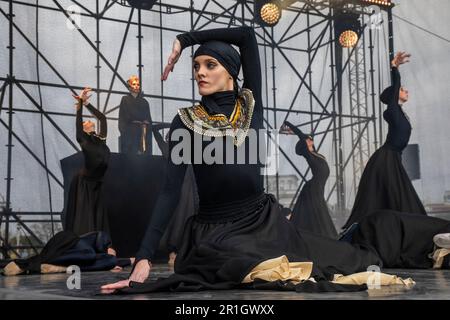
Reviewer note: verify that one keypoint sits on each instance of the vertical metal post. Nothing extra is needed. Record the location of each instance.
(139, 36)
(274, 90)
(372, 87)
(10, 112)
(391, 34)
(309, 70)
(97, 42)
(336, 118)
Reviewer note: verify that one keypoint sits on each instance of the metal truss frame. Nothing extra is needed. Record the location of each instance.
(319, 16)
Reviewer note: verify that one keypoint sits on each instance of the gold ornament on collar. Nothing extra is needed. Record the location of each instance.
(197, 119)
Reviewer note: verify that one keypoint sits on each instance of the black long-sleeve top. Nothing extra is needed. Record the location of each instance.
(317, 162)
(134, 109)
(96, 152)
(217, 183)
(399, 127)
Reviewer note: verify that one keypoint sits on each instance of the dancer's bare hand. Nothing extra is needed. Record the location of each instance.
(173, 58)
(400, 58)
(140, 273)
(285, 129)
(84, 95)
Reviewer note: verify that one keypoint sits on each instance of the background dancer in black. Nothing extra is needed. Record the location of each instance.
(86, 211)
(310, 211)
(135, 121)
(187, 205)
(385, 183)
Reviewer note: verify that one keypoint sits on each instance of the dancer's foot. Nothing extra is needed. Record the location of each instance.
(12, 269)
(49, 268)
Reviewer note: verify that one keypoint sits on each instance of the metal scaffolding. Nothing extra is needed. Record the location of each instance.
(327, 116)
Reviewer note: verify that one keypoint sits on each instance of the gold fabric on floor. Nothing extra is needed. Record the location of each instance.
(438, 257)
(281, 269)
(372, 279)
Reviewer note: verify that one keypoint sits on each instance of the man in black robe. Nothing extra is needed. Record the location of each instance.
(135, 121)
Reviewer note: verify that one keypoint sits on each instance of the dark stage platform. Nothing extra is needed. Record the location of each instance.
(430, 285)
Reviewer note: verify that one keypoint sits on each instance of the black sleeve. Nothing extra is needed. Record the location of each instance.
(101, 118)
(79, 123)
(393, 113)
(245, 39)
(297, 131)
(166, 203)
(147, 115)
(123, 119)
(300, 148)
(396, 84)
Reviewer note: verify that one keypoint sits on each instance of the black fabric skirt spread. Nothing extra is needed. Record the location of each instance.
(385, 185)
(222, 244)
(402, 240)
(86, 211)
(311, 211)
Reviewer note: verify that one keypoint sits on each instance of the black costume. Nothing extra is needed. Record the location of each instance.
(86, 211)
(133, 109)
(238, 226)
(88, 251)
(188, 203)
(310, 211)
(385, 183)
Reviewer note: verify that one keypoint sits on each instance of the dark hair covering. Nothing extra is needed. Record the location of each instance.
(228, 57)
(387, 94)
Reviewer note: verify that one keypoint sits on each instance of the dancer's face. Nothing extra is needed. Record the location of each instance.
(403, 95)
(211, 76)
(310, 144)
(134, 85)
(88, 126)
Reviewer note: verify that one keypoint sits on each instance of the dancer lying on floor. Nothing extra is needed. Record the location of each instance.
(90, 252)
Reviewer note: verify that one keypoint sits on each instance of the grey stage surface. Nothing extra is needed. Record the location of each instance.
(430, 284)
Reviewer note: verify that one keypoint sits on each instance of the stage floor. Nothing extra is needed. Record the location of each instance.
(430, 284)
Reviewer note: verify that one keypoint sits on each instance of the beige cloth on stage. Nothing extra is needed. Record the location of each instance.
(281, 269)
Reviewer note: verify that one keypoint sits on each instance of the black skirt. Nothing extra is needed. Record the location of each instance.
(402, 240)
(385, 185)
(311, 211)
(222, 244)
(86, 211)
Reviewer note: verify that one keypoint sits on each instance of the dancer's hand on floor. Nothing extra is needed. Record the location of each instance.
(173, 58)
(140, 273)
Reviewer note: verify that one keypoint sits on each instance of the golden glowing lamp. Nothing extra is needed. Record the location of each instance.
(348, 39)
